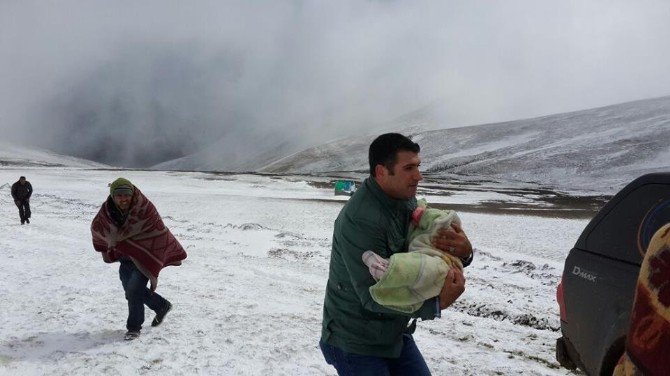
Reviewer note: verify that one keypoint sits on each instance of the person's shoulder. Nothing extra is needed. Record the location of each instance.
(363, 207)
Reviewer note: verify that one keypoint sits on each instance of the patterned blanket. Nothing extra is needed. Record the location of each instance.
(143, 238)
(648, 340)
(407, 279)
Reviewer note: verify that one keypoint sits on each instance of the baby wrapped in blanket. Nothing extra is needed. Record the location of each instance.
(407, 279)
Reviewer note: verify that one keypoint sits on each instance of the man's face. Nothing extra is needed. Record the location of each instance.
(22, 181)
(402, 180)
(122, 201)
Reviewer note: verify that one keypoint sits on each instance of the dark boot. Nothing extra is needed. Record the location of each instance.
(131, 335)
(161, 315)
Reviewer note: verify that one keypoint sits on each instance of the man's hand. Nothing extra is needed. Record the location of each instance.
(454, 285)
(453, 241)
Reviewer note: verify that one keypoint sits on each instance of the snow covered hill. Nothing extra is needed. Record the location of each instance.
(591, 150)
(21, 156)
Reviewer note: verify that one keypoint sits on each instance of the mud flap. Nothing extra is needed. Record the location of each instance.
(563, 356)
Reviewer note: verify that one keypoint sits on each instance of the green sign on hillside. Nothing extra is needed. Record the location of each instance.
(345, 187)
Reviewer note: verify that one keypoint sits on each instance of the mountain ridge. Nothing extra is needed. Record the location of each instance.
(595, 149)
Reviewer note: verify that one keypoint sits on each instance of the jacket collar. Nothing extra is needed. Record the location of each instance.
(389, 202)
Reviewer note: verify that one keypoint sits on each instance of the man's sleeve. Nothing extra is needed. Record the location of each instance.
(30, 190)
(429, 310)
(357, 237)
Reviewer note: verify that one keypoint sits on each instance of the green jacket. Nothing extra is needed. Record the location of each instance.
(352, 320)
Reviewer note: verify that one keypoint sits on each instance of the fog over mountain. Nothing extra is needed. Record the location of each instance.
(251, 151)
(600, 149)
(136, 84)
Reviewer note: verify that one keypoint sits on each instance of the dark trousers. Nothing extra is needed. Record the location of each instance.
(410, 362)
(135, 285)
(24, 209)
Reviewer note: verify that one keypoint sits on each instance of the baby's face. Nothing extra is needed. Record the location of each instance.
(417, 214)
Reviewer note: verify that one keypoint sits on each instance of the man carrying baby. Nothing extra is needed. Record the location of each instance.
(360, 336)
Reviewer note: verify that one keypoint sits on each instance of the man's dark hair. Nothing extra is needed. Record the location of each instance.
(384, 150)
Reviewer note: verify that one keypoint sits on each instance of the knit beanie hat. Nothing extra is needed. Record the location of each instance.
(121, 186)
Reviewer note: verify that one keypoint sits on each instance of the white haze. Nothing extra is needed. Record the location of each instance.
(138, 83)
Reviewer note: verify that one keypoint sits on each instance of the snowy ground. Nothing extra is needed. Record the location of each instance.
(248, 299)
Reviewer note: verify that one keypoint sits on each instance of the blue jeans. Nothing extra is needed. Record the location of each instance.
(410, 361)
(135, 285)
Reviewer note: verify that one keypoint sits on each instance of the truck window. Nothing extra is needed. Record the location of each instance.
(625, 231)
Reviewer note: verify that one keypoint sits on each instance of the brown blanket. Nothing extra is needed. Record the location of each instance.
(648, 340)
(143, 238)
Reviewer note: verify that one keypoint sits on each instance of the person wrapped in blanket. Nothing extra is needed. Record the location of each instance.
(129, 229)
(406, 280)
(648, 339)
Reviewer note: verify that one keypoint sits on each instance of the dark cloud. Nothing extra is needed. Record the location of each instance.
(135, 83)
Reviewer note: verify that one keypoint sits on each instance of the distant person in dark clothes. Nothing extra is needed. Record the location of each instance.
(129, 229)
(21, 192)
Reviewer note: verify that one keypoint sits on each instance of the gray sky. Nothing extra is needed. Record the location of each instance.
(103, 79)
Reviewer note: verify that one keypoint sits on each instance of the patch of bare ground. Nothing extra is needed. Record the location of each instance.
(498, 207)
(540, 202)
(536, 201)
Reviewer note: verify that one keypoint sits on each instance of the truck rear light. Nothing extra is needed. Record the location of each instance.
(561, 301)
